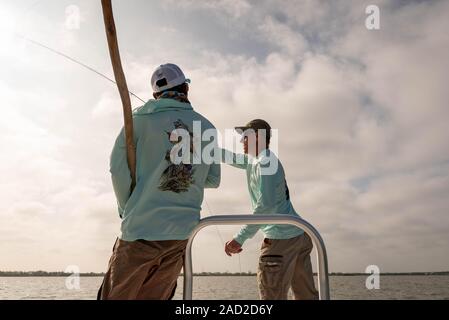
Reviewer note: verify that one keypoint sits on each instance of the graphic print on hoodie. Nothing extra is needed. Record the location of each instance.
(177, 177)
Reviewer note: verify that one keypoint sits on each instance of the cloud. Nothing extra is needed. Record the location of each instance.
(283, 37)
(234, 8)
(361, 117)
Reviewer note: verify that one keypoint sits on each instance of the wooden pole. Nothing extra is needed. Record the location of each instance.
(120, 79)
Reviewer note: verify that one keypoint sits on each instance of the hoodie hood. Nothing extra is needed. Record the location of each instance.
(160, 105)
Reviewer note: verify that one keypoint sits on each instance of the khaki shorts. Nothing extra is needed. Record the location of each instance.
(283, 264)
(143, 270)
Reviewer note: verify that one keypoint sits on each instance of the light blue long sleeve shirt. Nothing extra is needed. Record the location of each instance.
(166, 201)
(269, 195)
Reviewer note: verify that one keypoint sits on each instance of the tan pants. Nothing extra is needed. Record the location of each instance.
(143, 270)
(284, 264)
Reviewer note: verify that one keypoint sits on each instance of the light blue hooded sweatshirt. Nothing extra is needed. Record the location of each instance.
(166, 202)
(269, 195)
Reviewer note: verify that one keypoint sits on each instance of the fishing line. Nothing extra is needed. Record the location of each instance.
(240, 264)
(72, 60)
(37, 43)
(216, 227)
(31, 6)
(219, 234)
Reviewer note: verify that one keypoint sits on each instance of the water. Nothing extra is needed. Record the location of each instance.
(236, 287)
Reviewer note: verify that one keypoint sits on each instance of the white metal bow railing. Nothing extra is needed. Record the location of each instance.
(318, 243)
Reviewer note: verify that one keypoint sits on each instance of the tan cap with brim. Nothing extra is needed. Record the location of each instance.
(257, 124)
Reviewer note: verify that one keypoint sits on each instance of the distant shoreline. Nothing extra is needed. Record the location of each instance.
(5, 274)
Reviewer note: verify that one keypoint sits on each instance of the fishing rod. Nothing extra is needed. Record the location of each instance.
(72, 60)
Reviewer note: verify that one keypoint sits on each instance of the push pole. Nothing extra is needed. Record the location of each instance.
(120, 79)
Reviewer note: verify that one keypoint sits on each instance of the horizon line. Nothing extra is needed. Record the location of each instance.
(41, 273)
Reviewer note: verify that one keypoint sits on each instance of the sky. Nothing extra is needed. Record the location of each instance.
(362, 117)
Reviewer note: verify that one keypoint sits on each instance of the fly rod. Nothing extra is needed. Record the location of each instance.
(111, 34)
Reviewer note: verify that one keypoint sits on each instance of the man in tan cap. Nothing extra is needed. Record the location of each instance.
(285, 253)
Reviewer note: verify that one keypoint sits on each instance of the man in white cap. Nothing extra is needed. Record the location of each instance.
(160, 213)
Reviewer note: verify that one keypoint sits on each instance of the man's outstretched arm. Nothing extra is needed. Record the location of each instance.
(235, 245)
(265, 204)
(236, 160)
(246, 232)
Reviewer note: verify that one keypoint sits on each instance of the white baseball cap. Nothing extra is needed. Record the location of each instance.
(167, 76)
